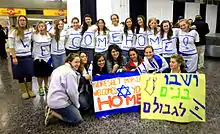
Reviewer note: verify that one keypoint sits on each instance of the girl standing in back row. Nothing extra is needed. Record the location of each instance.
(42, 58)
(57, 45)
(102, 38)
(128, 38)
(115, 31)
(88, 37)
(141, 35)
(73, 37)
(187, 45)
(153, 35)
(169, 40)
(20, 47)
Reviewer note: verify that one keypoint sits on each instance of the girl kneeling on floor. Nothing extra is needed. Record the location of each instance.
(63, 96)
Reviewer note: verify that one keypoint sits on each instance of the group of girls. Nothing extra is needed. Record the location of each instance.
(68, 96)
(101, 49)
(165, 40)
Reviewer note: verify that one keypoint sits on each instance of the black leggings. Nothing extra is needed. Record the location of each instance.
(22, 80)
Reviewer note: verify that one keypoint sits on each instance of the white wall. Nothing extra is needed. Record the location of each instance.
(125, 10)
(160, 9)
(211, 17)
(73, 10)
(104, 10)
(191, 10)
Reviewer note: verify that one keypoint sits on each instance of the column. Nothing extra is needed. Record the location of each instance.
(160, 9)
(73, 10)
(191, 10)
(211, 17)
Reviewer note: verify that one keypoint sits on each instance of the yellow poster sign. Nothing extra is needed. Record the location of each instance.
(12, 11)
(55, 12)
(173, 97)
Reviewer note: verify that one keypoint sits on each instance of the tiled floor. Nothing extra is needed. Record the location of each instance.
(21, 117)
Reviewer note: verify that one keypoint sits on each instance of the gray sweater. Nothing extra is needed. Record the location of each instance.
(110, 66)
(63, 89)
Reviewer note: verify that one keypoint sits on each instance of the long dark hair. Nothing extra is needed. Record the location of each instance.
(138, 26)
(86, 66)
(96, 68)
(126, 27)
(170, 32)
(116, 16)
(57, 31)
(104, 29)
(139, 58)
(109, 56)
(85, 25)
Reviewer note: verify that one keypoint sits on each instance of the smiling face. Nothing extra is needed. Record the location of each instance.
(184, 26)
(75, 24)
(174, 64)
(76, 63)
(60, 25)
(115, 20)
(101, 24)
(88, 21)
(22, 22)
(149, 53)
(153, 24)
(114, 54)
(140, 21)
(166, 27)
(133, 56)
(83, 58)
(128, 23)
(101, 62)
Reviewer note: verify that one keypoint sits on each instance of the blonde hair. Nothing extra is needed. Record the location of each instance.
(19, 30)
(179, 59)
(186, 21)
(45, 30)
(149, 27)
(71, 57)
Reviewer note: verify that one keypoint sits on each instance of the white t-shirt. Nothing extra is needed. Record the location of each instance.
(41, 46)
(102, 42)
(73, 39)
(169, 46)
(115, 34)
(187, 42)
(49, 28)
(88, 40)
(155, 41)
(128, 40)
(58, 48)
(22, 47)
(141, 40)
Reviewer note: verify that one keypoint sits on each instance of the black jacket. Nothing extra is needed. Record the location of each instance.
(3, 36)
(202, 28)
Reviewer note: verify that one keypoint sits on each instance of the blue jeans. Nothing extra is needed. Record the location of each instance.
(58, 60)
(69, 114)
(85, 100)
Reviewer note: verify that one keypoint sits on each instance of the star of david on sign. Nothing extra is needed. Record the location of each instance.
(122, 90)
